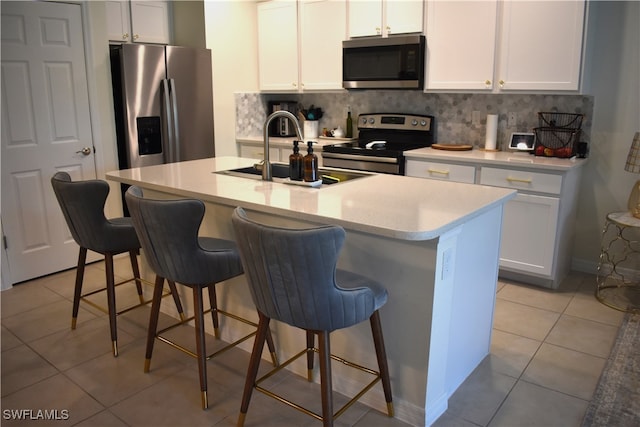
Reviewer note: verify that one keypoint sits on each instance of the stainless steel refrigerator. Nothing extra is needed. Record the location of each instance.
(163, 100)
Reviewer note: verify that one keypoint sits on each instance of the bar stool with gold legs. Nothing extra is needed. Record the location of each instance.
(293, 278)
(82, 204)
(168, 232)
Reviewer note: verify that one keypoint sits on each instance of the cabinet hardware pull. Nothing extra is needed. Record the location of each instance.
(526, 181)
(125, 36)
(378, 30)
(501, 83)
(438, 171)
(135, 37)
(487, 83)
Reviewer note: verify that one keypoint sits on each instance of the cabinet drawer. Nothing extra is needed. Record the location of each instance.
(441, 171)
(521, 180)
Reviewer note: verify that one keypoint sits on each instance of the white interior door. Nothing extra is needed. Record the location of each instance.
(45, 128)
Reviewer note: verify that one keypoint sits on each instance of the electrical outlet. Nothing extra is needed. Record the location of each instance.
(475, 118)
(512, 120)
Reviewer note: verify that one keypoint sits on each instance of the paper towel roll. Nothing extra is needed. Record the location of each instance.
(492, 132)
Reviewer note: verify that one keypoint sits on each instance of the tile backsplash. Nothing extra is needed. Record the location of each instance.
(453, 112)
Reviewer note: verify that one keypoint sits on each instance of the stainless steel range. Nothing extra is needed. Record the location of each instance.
(382, 140)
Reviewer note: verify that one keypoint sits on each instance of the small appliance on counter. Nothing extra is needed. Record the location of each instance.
(282, 126)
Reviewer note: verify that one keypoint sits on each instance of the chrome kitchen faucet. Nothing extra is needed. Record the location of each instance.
(266, 167)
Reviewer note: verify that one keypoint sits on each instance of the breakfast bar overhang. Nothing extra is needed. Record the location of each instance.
(434, 245)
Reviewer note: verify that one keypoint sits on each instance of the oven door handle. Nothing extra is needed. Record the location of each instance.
(357, 157)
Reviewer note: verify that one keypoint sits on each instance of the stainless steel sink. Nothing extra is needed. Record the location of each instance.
(280, 172)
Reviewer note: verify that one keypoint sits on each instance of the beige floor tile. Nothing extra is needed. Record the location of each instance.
(45, 320)
(449, 420)
(585, 305)
(552, 300)
(523, 320)
(532, 405)
(103, 419)
(112, 379)
(511, 353)
(169, 394)
(480, 395)
(378, 419)
(22, 367)
(70, 348)
(175, 401)
(63, 283)
(589, 337)
(8, 340)
(25, 297)
(55, 393)
(565, 370)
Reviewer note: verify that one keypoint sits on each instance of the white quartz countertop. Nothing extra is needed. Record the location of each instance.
(387, 205)
(497, 158)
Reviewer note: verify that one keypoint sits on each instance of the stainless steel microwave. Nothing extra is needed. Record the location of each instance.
(395, 62)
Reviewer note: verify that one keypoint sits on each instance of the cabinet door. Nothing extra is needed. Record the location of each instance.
(323, 25)
(278, 46)
(541, 45)
(461, 44)
(150, 22)
(403, 16)
(365, 18)
(528, 234)
(118, 20)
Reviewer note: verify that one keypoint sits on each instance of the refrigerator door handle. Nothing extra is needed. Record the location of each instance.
(176, 121)
(168, 142)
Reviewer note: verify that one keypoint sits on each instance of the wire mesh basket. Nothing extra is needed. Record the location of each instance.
(560, 120)
(556, 142)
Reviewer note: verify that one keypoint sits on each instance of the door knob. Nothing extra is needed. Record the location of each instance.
(86, 151)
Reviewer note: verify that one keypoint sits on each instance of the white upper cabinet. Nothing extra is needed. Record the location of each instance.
(278, 45)
(504, 46)
(300, 45)
(138, 21)
(385, 17)
(541, 45)
(461, 39)
(323, 27)
(118, 20)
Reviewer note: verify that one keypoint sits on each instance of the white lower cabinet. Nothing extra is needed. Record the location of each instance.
(532, 220)
(257, 152)
(279, 151)
(538, 224)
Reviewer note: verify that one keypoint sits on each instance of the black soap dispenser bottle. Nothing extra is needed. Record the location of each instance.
(296, 163)
(310, 164)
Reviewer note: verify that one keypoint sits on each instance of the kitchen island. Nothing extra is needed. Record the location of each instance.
(434, 245)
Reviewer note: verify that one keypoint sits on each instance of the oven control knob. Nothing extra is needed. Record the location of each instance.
(364, 120)
(372, 120)
(423, 123)
(414, 122)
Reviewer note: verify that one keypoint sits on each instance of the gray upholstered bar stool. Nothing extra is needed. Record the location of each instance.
(82, 204)
(168, 232)
(293, 279)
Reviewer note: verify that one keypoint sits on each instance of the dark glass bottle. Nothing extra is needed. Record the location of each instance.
(310, 164)
(349, 131)
(296, 163)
